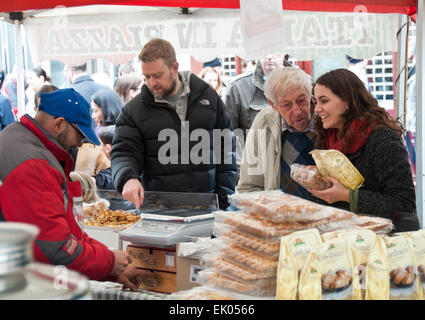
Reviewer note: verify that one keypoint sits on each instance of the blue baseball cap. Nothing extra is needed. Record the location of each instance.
(69, 104)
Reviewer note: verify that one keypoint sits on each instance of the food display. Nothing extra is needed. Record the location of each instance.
(100, 214)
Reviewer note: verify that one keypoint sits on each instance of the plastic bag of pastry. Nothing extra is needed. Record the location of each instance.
(247, 259)
(265, 245)
(392, 271)
(363, 241)
(212, 277)
(332, 163)
(294, 251)
(418, 239)
(309, 177)
(329, 273)
(277, 206)
(252, 225)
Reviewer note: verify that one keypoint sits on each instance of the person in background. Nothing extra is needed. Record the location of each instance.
(211, 76)
(82, 82)
(6, 113)
(2, 77)
(103, 78)
(106, 106)
(351, 121)
(245, 98)
(178, 103)
(411, 113)
(104, 177)
(35, 78)
(10, 88)
(358, 67)
(36, 188)
(126, 69)
(45, 88)
(128, 86)
(281, 134)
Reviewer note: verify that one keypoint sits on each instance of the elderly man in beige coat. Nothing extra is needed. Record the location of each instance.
(281, 134)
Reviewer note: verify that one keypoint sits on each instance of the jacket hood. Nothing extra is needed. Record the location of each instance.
(110, 103)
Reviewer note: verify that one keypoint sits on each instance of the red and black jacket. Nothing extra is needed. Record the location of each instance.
(36, 189)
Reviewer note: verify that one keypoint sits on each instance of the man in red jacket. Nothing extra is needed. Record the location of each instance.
(35, 188)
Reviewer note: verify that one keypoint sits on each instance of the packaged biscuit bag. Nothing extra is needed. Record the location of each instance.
(395, 276)
(332, 163)
(377, 273)
(363, 241)
(294, 251)
(329, 273)
(418, 243)
(309, 177)
(404, 280)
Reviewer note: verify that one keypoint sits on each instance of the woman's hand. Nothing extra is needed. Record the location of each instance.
(338, 192)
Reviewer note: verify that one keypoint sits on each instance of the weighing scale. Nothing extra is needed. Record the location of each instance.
(171, 217)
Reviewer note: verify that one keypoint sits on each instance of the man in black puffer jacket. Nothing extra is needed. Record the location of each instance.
(174, 136)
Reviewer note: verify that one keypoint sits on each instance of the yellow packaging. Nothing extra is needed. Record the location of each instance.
(329, 273)
(363, 241)
(310, 287)
(294, 251)
(377, 273)
(333, 234)
(418, 240)
(332, 163)
(404, 280)
(395, 276)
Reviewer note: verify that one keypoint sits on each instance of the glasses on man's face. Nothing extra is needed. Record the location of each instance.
(80, 134)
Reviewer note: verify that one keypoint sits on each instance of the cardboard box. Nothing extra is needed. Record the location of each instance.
(160, 259)
(164, 282)
(188, 268)
(188, 273)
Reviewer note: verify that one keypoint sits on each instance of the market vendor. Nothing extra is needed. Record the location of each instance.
(351, 121)
(180, 107)
(34, 170)
(281, 134)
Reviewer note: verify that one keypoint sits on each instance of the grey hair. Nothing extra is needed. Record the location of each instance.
(283, 79)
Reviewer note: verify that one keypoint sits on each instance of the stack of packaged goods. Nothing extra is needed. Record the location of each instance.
(245, 256)
(351, 265)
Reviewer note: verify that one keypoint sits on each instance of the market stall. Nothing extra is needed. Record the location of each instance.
(245, 261)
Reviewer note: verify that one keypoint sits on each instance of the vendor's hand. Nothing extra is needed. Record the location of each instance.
(120, 263)
(338, 192)
(133, 192)
(132, 277)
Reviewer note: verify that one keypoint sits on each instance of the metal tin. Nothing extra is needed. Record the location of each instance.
(21, 279)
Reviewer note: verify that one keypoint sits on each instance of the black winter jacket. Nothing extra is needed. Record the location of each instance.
(388, 189)
(136, 145)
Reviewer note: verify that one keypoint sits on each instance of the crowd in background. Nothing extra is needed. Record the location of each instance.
(243, 96)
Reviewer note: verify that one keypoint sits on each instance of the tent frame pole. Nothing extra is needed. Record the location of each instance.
(17, 18)
(420, 110)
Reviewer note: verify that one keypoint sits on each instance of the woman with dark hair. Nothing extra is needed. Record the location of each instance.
(128, 87)
(106, 106)
(351, 121)
(35, 79)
